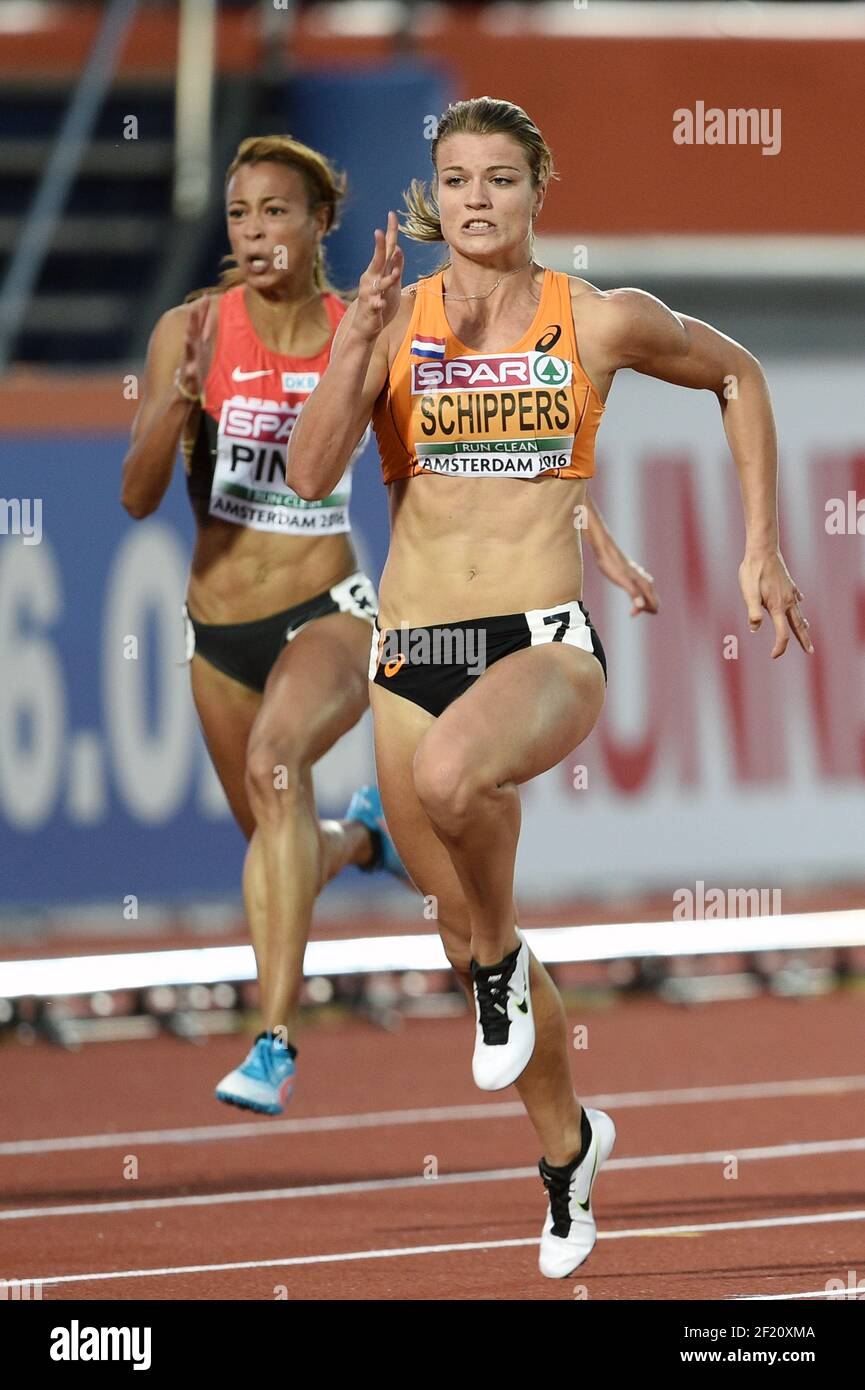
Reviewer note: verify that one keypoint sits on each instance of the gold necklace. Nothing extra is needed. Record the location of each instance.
(447, 295)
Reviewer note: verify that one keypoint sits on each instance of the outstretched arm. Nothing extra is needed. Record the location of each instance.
(638, 331)
(618, 567)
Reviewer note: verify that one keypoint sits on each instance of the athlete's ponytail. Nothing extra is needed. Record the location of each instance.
(478, 116)
(325, 187)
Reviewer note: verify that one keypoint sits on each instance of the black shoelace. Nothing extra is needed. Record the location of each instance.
(492, 983)
(558, 1185)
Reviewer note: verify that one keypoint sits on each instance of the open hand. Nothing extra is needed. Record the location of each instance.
(620, 569)
(766, 583)
(192, 372)
(380, 289)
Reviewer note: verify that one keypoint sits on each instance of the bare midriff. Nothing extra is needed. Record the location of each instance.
(239, 574)
(473, 548)
(477, 547)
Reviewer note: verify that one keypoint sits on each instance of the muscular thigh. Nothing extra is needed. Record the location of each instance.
(399, 727)
(227, 712)
(317, 689)
(525, 713)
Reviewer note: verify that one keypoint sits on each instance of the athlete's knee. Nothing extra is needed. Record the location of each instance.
(447, 784)
(274, 779)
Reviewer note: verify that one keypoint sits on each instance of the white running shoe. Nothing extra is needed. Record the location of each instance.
(569, 1231)
(505, 1032)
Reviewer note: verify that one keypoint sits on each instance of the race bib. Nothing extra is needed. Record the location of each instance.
(503, 415)
(500, 458)
(249, 487)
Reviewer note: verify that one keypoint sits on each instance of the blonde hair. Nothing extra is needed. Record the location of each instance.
(325, 187)
(477, 116)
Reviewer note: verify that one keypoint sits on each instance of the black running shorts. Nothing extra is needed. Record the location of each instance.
(433, 666)
(247, 651)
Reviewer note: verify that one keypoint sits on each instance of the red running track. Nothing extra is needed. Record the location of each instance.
(711, 1193)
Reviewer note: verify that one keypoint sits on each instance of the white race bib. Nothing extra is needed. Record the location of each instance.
(249, 487)
(496, 458)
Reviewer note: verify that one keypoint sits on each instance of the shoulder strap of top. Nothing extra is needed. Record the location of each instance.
(429, 306)
(422, 321)
(229, 308)
(232, 310)
(336, 309)
(566, 310)
(561, 287)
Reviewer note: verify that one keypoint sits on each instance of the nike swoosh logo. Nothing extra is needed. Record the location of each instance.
(238, 375)
(584, 1206)
(523, 1004)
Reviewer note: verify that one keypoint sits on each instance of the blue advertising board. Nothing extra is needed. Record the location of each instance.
(106, 788)
(105, 784)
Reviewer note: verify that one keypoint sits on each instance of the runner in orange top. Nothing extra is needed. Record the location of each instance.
(486, 384)
(528, 411)
(278, 615)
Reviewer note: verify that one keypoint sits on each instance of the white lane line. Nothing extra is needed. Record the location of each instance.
(342, 1189)
(636, 1233)
(445, 1114)
(275, 1194)
(775, 1297)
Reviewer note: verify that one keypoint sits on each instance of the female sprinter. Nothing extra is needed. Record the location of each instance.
(486, 384)
(279, 616)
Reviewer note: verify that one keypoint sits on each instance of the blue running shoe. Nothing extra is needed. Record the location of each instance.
(266, 1079)
(365, 806)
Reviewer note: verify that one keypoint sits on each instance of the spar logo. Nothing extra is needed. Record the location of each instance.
(270, 422)
(552, 371)
(491, 372)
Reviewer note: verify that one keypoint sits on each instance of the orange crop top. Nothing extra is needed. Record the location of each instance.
(524, 413)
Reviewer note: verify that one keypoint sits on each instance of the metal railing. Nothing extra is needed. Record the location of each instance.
(193, 118)
(71, 975)
(60, 173)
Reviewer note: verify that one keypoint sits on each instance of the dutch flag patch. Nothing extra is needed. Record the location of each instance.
(428, 347)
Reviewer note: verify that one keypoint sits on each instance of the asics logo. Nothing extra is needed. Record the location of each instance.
(238, 375)
(396, 665)
(550, 338)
